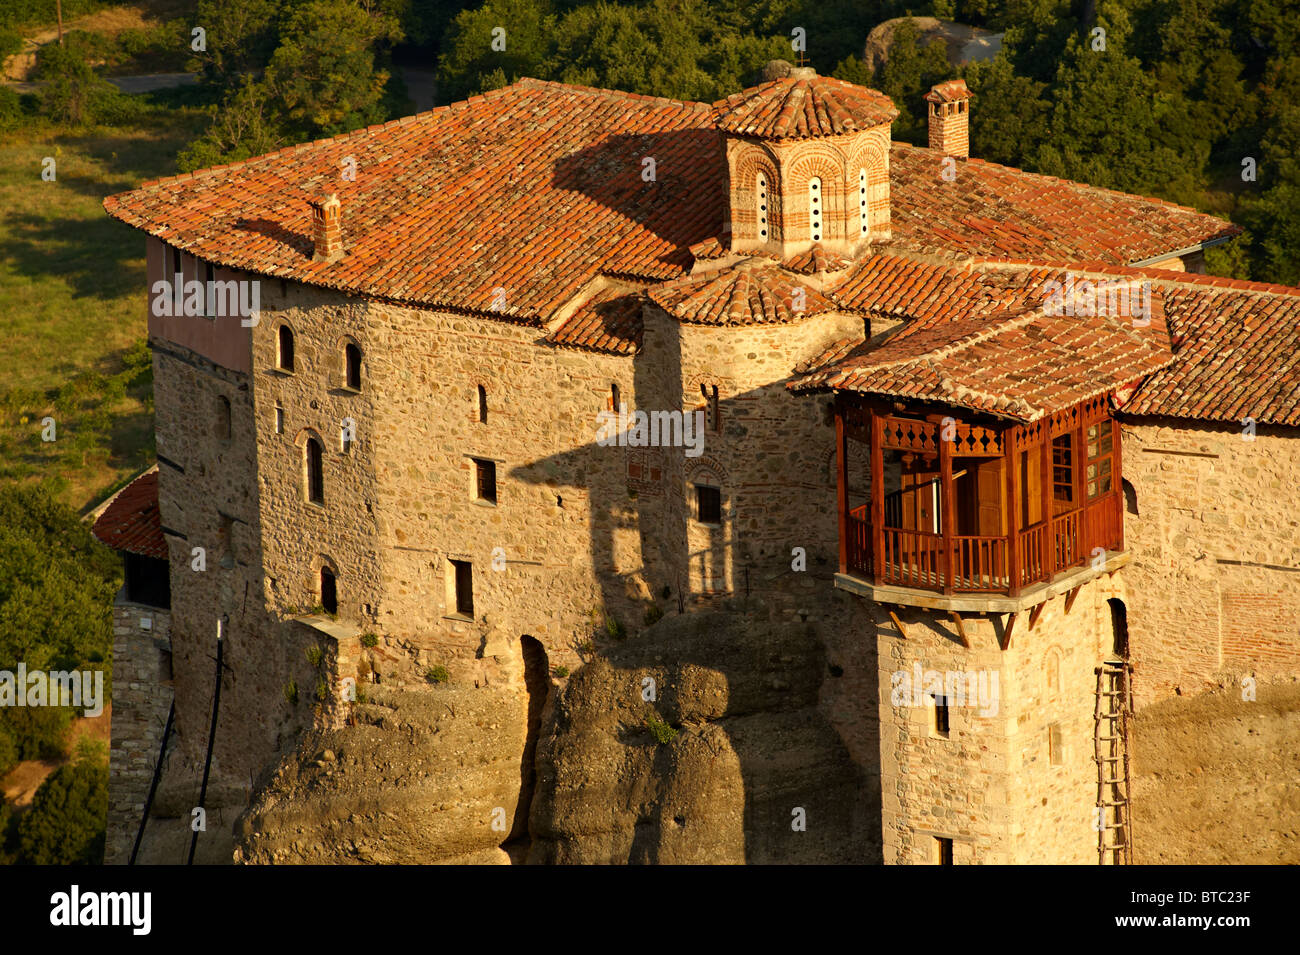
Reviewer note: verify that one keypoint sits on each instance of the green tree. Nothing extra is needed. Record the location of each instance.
(68, 816)
(324, 69)
(473, 58)
(1008, 119)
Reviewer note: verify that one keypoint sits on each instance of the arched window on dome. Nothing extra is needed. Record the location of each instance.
(760, 203)
(815, 208)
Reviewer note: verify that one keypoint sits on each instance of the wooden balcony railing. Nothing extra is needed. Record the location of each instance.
(980, 564)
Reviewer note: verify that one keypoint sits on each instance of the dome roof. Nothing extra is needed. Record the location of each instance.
(803, 105)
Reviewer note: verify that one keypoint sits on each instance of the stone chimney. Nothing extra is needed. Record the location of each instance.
(950, 118)
(326, 228)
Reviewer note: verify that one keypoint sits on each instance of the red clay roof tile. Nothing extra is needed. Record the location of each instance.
(131, 523)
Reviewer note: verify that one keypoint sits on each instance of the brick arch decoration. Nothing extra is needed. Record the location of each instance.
(749, 162)
(707, 470)
(827, 165)
(873, 156)
(300, 439)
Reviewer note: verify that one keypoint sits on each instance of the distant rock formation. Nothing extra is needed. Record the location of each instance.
(966, 44)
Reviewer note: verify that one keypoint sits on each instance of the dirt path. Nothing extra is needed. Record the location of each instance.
(20, 785)
(109, 22)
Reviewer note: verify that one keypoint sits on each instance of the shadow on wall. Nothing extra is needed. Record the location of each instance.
(719, 756)
(725, 754)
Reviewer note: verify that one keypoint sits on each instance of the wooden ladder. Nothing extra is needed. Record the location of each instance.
(1111, 716)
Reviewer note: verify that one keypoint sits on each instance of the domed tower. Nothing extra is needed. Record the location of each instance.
(807, 163)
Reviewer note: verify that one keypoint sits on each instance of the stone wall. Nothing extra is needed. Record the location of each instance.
(992, 785)
(1214, 585)
(142, 696)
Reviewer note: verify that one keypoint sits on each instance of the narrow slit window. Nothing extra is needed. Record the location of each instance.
(712, 420)
(942, 717)
(352, 362)
(176, 267)
(464, 584)
(863, 212)
(284, 350)
(1054, 754)
(482, 405)
(279, 418)
(485, 480)
(315, 477)
(815, 208)
(615, 397)
(223, 417)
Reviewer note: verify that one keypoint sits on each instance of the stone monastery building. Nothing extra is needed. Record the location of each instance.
(531, 371)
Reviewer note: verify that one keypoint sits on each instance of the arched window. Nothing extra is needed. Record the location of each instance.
(863, 215)
(352, 360)
(760, 201)
(284, 351)
(815, 208)
(223, 417)
(315, 488)
(482, 405)
(329, 591)
(615, 397)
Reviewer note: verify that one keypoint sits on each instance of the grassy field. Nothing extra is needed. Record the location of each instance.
(72, 306)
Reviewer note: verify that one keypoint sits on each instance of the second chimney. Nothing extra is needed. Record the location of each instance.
(327, 229)
(950, 118)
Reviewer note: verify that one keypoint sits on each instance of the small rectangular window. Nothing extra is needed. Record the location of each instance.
(941, 724)
(279, 419)
(464, 582)
(708, 504)
(485, 480)
(943, 850)
(1054, 754)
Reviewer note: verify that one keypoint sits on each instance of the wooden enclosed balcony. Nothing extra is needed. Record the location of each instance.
(972, 506)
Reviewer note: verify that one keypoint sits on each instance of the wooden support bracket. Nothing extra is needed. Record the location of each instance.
(1069, 599)
(1006, 634)
(898, 623)
(961, 629)
(1036, 613)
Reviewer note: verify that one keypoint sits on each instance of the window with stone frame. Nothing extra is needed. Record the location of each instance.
(352, 366)
(284, 349)
(313, 455)
(708, 504)
(485, 480)
(463, 587)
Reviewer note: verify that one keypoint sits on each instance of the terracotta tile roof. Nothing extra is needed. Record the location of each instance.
(803, 107)
(536, 189)
(533, 189)
(1237, 343)
(734, 296)
(1021, 365)
(992, 210)
(1239, 356)
(833, 353)
(898, 286)
(817, 259)
(948, 92)
(131, 522)
(610, 321)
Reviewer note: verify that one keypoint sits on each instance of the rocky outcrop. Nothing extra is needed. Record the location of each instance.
(701, 741)
(425, 774)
